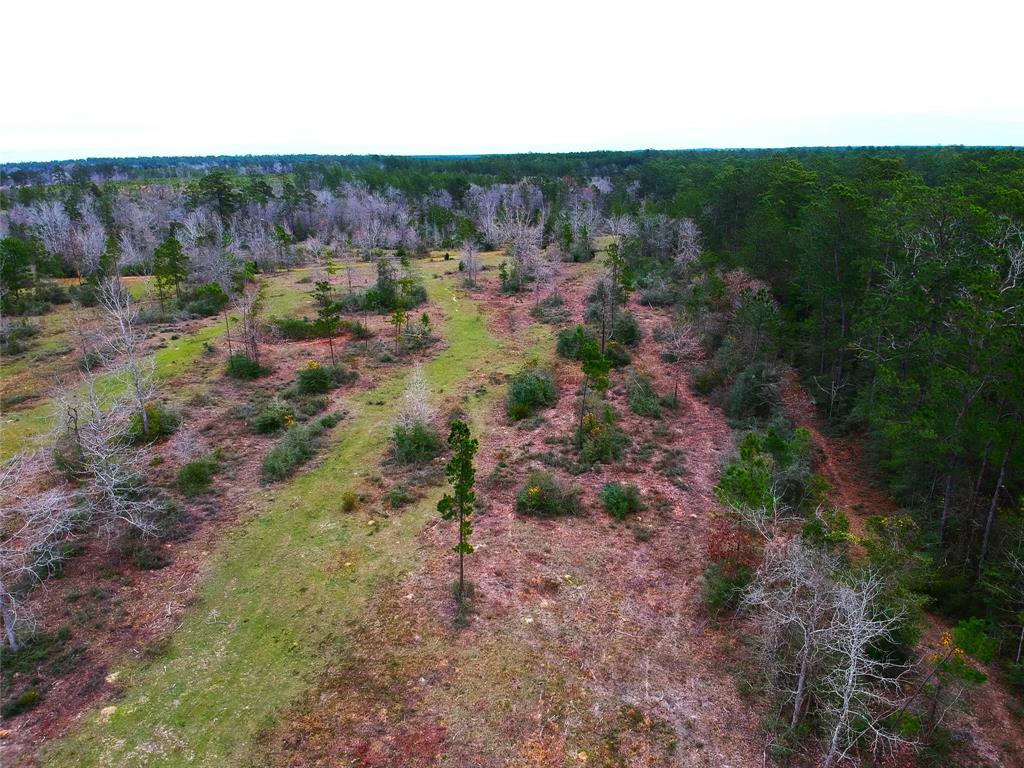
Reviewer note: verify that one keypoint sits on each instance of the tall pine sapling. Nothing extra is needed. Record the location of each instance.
(459, 506)
(595, 374)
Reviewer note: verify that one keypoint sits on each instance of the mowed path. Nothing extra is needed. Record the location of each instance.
(282, 587)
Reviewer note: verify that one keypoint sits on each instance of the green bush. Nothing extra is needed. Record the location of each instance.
(707, 380)
(21, 703)
(241, 366)
(621, 500)
(755, 395)
(272, 418)
(355, 329)
(84, 294)
(643, 400)
(297, 329)
(162, 422)
(626, 330)
(972, 635)
(196, 477)
(603, 442)
(617, 355)
(295, 447)
(314, 379)
(529, 391)
(398, 497)
(571, 340)
(206, 300)
(544, 496)
(724, 585)
(415, 444)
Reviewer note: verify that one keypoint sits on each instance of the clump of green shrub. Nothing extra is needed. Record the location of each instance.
(241, 366)
(755, 395)
(626, 330)
(707, 380)
(206, 300)
(643, 400)
(601, 440)
(415, 443)
(349, 501)
(316, 379)
(274, 417)
(398, 497)
(295, 448)
(570, 341)
(529, 391)
(196, 477)
(617, 354)
(544, 495)
(298, 329)
(724, 585)
(621, 500)
(161, 422)
(313, 379)
(551, 310)
(355, 329)
(25, 701)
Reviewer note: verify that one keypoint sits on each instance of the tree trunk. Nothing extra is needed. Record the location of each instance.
(8, 619)
(583, 410)
(992, 507)
(798, 700)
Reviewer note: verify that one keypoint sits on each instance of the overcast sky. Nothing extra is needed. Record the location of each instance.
(105, 78)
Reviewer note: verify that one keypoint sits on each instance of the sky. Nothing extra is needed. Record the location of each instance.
(106, 78)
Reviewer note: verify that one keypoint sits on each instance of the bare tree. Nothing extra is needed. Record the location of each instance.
(34, 525)
(469, 255)
(249, 304)
(862, 688)
(124, 352)
(416, 408)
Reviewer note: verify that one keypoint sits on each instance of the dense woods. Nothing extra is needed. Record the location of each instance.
(889, 282)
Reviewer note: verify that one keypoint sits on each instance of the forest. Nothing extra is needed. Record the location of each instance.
(611, 458)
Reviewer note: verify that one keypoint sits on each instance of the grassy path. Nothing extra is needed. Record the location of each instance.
(286, 583)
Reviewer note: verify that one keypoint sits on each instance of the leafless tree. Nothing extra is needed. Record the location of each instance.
(469, 255)
(124, 352)
(417, 408)
(860, 689)
(34, 525)
(790, 602)
(249, 304)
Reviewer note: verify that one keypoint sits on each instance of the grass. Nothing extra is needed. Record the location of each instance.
(282, 585)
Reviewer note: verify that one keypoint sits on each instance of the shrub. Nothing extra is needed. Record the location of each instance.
(551, 310)
(617, 355)
(603, 441)
(349, 501)
(621, 500)
(206, 300)
(162, 422)
(571, 340)
(544, 496)
(314, 379)
(13, 335)
(272, 418)
(530, 390)
(21, 703)
(643, 400)
(626, 330)
(415, 444)
(398, 497)
(355, 329)
(195, 477)
(241, 366)
(755, 395)
(297, 329)
(658, 294)
(724, 585)
(295, 448)
(52, 293)
(707, 380)
(84, 294)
